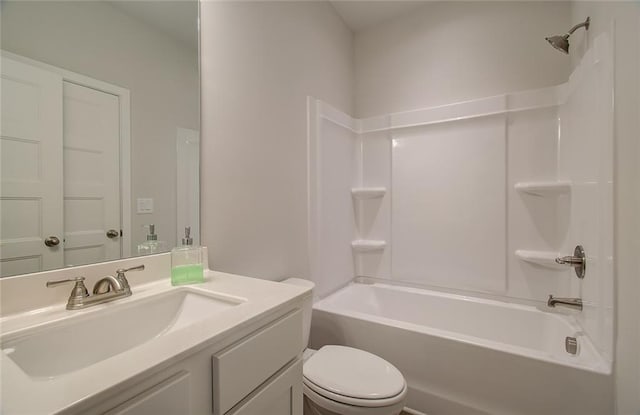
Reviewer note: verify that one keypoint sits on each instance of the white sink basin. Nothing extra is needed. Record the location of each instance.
(66, 346)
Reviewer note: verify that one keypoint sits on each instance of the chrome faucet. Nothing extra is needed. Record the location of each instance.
(567, 302)
(106, 289)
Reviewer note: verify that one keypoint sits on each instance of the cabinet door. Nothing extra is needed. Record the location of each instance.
(169, 397)
(281, 396)
(243, 367)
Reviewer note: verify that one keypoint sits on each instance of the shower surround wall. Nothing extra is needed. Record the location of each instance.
(476, 197)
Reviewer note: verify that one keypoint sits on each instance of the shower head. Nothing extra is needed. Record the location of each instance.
(561, 42)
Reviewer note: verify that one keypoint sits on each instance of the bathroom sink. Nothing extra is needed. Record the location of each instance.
(62, 347)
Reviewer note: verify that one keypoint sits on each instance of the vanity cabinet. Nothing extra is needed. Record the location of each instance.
(256, 373)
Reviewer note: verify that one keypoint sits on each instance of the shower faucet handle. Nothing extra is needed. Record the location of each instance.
(570, 260)
(578, 261)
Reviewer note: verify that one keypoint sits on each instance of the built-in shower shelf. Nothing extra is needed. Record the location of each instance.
(544, 188)
(542, 258)
(368, 192)
(368, 245)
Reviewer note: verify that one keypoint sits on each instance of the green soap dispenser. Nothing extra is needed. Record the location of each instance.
(186, 262)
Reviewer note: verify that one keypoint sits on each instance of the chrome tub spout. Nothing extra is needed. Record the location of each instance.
(575, 303)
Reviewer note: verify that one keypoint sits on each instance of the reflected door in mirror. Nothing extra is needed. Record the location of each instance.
(60, 172)
(31, 150)
(91, 175)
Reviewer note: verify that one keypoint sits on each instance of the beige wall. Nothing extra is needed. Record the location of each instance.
(448, 52)
(97, 40)
(623, 19)
(260, 60)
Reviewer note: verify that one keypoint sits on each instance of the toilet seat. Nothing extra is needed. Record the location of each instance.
(354, 377)
(346, 400)
(328, 406)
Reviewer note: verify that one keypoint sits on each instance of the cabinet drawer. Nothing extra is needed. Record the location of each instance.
(169, 397)
(241, 368)
(281, 396)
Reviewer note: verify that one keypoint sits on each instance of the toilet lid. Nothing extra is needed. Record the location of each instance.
(353, 373)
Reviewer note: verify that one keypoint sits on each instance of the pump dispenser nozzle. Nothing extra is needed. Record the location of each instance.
(187, 240)
(152, 245)
(151, 236)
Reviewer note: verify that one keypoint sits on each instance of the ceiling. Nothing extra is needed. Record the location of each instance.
(361, 14)
(177, 19)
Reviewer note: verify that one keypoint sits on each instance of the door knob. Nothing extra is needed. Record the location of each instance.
(52, 241)
(112, 233)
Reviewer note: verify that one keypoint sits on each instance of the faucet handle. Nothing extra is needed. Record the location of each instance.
(123, 279)
(78, 293)
(120, 272)
(77, 280)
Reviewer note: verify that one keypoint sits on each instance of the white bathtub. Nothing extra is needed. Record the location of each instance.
(464, 355)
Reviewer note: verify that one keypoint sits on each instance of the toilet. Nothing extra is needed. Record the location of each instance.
(340, 380)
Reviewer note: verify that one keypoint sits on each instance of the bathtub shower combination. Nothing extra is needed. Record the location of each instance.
(438, 251)
(468, 355)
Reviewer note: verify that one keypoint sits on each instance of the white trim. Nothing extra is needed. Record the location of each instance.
(477, 108)
(125, 174)
(338, 117)
(125, 135)
(313, 184)
(70, 76)
(187, 195)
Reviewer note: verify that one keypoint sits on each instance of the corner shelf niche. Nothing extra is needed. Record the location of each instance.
(368, 192)
(368, 245)
(551, 188)
(544, 258)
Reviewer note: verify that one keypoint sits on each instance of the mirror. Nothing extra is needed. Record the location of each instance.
(100, 130)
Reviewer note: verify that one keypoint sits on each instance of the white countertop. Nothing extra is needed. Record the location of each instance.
(21, 394)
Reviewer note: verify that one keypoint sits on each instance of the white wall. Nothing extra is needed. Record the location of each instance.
(260, 61)
(455, 51)
(98, 40)
(626, 18)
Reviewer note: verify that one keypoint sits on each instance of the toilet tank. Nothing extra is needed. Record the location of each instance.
(307, 307)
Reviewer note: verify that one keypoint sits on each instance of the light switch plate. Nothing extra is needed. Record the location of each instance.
(145, 205)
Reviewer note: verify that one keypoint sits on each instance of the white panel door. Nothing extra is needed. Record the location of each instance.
(91, 175)
(30, 169)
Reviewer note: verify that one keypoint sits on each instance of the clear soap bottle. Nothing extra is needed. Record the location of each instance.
(186, 262)
(152, 245)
